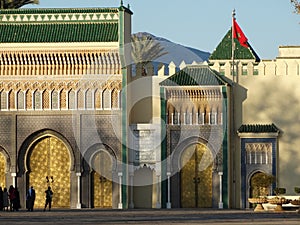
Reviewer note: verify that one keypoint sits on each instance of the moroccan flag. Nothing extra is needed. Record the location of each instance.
(238, 33)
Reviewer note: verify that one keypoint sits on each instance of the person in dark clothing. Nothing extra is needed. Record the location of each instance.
(49, 195)
(5, 199)
(1, 199)
(30, 198)
(17, 204)
(12, 197)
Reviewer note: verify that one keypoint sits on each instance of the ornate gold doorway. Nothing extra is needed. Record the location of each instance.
(196, 177)
(102, 176)
(49, 164)
(2, 171)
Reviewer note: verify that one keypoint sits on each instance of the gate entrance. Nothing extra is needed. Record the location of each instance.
(102, 177)
(196, 177)
(49, 165)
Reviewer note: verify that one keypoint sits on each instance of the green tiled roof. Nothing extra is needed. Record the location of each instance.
(196, 75)
(59, 25)
(258, 128)
(61, 32)
(224, 50)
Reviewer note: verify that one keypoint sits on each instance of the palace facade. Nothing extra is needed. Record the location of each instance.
(76, 117)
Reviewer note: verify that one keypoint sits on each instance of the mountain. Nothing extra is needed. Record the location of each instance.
(176, 52)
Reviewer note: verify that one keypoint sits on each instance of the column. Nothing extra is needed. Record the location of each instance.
(67, 99)
(78, 206)
(93, 99)
(216, 118)
(158, 205)
(7, 100)
(50, 100)
(110, 101)
(13, 179)
(58, 100)
(120, 205)
(221, 197)
(16, 100)
(169, 191)
(75, 100)
(131, 204)
(24, 100)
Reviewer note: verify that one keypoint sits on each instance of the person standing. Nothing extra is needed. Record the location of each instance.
(49, 195)
(12, 197)
(1, 199)
(5, 199)
(17, 204)
(30, 199)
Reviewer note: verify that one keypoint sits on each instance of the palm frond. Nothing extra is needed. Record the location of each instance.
(145, 49)
(12, 4)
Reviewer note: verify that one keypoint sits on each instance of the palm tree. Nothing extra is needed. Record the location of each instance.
(144, 50)
(12, 4)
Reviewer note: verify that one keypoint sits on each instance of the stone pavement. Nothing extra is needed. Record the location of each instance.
(154, 216)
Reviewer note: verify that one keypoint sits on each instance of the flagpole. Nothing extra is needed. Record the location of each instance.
(232, 44)
(233, 109)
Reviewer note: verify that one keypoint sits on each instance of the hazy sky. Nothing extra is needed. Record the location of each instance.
(202, 24)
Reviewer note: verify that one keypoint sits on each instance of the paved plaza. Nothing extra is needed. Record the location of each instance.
(162, 216)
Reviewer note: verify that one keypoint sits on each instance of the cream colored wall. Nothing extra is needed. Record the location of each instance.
(273, 96)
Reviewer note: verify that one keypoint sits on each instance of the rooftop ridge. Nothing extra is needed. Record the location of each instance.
(195, 75)
(55, 15)
(54, 10)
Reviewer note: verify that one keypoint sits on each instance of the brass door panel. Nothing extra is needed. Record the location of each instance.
(50, 166)
(2, 171)
(196, 177)
(102, 192)
(102, 165)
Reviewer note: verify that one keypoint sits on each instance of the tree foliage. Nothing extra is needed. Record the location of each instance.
(145, 49)
(12, 4)
(260, 183)
(296, 4)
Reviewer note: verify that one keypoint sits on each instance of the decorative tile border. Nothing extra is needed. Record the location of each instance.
(58, 17)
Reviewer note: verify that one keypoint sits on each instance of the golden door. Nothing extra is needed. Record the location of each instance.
(102, 166)
(2, 171)
(196, 177)
(50, 166)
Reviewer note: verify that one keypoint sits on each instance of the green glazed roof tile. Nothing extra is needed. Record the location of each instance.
(59, 32)
(196, 75)
(224, 50)
(258, 128)
(59, 25)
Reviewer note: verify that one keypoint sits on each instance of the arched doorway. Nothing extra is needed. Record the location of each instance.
(49, 165)
(102, 179)
(196, 177)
